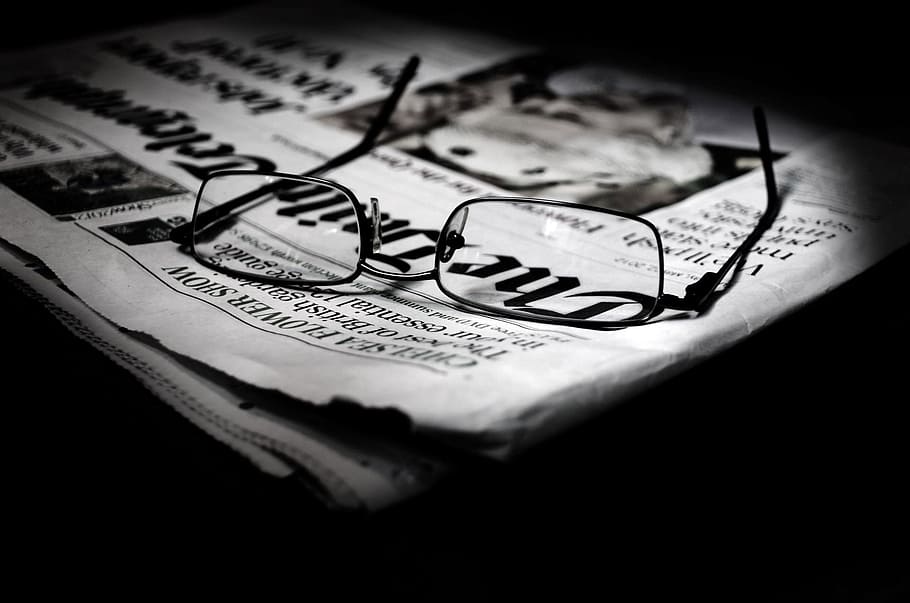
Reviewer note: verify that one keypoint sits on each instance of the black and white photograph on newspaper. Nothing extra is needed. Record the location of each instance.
(561, 128)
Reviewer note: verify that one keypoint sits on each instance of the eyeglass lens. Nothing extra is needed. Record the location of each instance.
(275, 235)
(529, 257)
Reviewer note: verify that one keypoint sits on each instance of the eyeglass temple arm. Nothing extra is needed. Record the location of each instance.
(697, 293)
(378, 124)
(182, 234)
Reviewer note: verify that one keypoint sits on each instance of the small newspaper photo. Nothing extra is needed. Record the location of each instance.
(445, 274)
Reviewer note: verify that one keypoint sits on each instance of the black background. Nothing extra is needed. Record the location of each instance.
(774, 472)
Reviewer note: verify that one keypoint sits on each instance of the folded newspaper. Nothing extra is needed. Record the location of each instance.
(104, 142)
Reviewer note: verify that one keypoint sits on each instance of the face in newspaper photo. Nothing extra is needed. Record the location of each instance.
(547, 127)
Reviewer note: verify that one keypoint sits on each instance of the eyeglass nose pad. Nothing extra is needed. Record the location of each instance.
(376, 220)
(454, 240)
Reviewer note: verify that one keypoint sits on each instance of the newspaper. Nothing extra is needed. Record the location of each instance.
(161, 108)
(344, 467)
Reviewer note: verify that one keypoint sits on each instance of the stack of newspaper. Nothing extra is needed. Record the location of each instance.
(369, 392)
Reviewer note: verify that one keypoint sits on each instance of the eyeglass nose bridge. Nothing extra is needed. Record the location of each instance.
(375, 243)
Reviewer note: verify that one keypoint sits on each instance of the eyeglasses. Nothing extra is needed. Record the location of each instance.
(527, 258)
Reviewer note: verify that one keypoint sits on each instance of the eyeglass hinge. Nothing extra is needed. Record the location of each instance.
(696, 294)
(181, 234)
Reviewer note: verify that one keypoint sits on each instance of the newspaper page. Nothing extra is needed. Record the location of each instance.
(103, 156)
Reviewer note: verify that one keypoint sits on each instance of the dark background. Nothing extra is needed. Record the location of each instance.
(774, 472)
